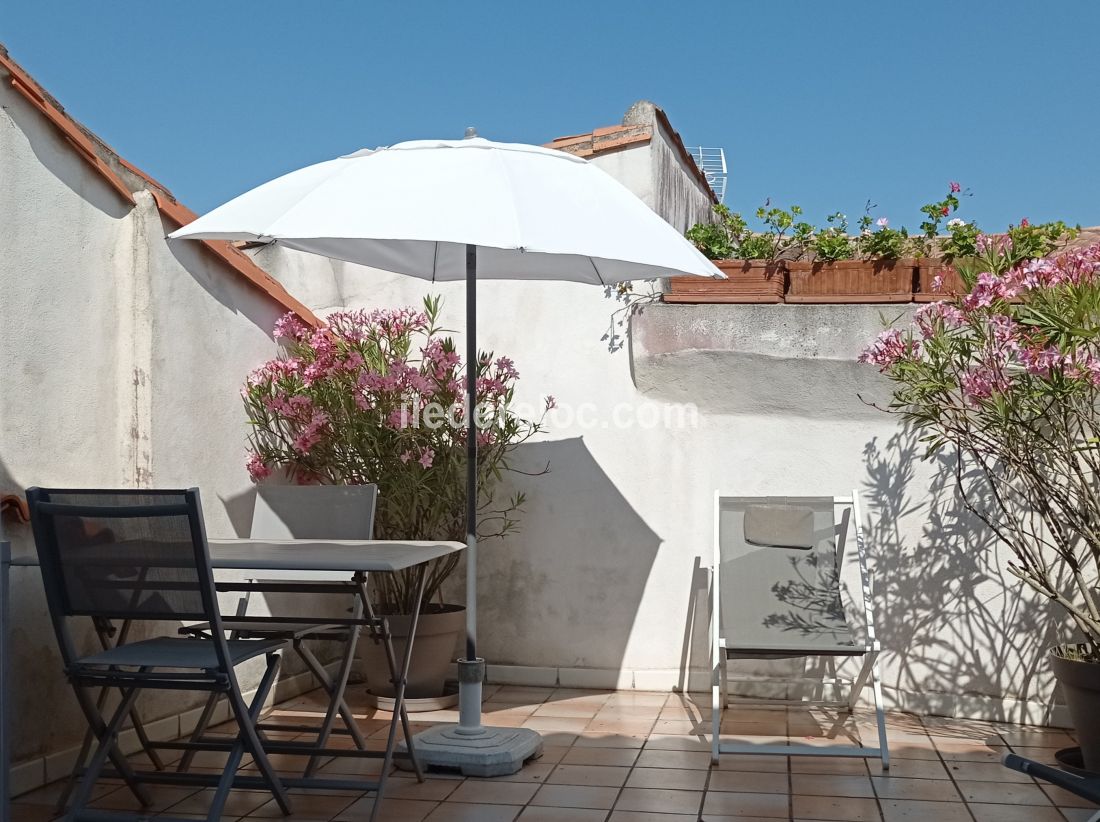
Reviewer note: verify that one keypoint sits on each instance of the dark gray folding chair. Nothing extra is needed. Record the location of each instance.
(775, 587)
(306, 512)
(142, 555)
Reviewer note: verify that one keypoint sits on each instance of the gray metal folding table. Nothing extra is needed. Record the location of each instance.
(312, 560)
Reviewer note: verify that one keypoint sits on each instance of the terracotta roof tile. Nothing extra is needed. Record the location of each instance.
(614, 138)
(101, 156)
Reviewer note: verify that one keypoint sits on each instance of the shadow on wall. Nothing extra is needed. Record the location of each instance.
(61, 159)
(565, 590)
(954, 624)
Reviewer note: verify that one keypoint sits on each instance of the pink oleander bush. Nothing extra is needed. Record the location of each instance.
(1007, 379)
(379, 396)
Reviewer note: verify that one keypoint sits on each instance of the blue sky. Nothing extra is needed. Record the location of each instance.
(825, 104)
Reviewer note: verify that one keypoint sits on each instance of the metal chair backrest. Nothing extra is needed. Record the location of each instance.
(314, 512)
(123, 554)
(779, 561)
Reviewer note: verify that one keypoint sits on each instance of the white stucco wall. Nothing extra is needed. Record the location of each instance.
(122, 362)
(602, 587)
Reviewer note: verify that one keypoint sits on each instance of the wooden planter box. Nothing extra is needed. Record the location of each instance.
(750, 281)
(926, 271)
(852, 281)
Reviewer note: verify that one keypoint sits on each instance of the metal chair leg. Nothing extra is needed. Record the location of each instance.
(399, 697)
(108, 738)
(248, 740)
(336, 697)
(95, 721)
(339, 684)
(200, 728)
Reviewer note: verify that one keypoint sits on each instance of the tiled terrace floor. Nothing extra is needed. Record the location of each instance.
(619, 756)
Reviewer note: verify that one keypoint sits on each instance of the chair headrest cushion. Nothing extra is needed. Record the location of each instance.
(781, 526)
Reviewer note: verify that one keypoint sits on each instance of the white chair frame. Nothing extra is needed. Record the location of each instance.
(869, 673)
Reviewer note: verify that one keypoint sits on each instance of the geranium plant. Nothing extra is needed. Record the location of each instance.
(379, 396)
(1007, 379)
(729, 236)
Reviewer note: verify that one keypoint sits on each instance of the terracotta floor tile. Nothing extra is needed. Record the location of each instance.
(910, 768)
(432, 789)
(812, 784)
(1006, 793)
(985, 772)
(841, 808)
(522, 694)
(239, 803)
(681, 726)
(1036, 737)
(600, 776)
(1065, 799)
(659, 800)
(462, 812)
(307, 807)
(163, 797)
(749, 782)
(565, 709)
(508, 708)
(640, 698)
(569, 724)
(595, 739)
(1077, 814)
(900, 787)
(669, 742)
(768, 763)
(841, 765)
(552, 754)
(575, 796)
(562, 739)
(31, 812)
(769, 805)
(393, 810)
(533, 771)
(642, 816)
(1014, 813)
(916, 810)
(653, 758)
(680, 779)
(620, 726)
(622, 757)
(487, 792)
(534, 814)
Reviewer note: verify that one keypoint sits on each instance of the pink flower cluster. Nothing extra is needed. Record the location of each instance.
(890, 348)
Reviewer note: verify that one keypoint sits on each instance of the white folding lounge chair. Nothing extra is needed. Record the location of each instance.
(775, 588)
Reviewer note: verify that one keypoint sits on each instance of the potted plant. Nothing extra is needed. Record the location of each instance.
(1006, 379)
(378, 396)
(750, 260)
(869, 268)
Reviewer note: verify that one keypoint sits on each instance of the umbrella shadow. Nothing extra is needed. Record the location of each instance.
(565, 590)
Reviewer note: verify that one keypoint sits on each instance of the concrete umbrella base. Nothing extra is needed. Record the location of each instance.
(493, 752)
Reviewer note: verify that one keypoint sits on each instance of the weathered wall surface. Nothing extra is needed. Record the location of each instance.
(122, 361)
(605, 585)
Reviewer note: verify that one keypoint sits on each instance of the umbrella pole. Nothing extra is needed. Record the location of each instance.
(471, 670)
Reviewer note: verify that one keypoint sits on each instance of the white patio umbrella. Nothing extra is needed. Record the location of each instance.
(463, 209)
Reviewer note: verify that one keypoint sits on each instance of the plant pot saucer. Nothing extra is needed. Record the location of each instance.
(1070, 759)
(435, 703)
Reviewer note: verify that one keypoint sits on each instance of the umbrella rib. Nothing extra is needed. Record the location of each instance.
(599, 277)
(435, 260)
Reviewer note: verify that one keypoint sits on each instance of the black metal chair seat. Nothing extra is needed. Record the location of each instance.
(172, 652)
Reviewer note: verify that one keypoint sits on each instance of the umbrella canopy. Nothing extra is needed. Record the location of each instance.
(412, 208)
(468, 210)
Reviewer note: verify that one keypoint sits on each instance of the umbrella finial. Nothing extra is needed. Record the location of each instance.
(470, 132)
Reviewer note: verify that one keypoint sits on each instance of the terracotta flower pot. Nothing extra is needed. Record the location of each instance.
(852, 281)
(1080, 682)
(437, 631)
(749, 281)
(930, 268)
